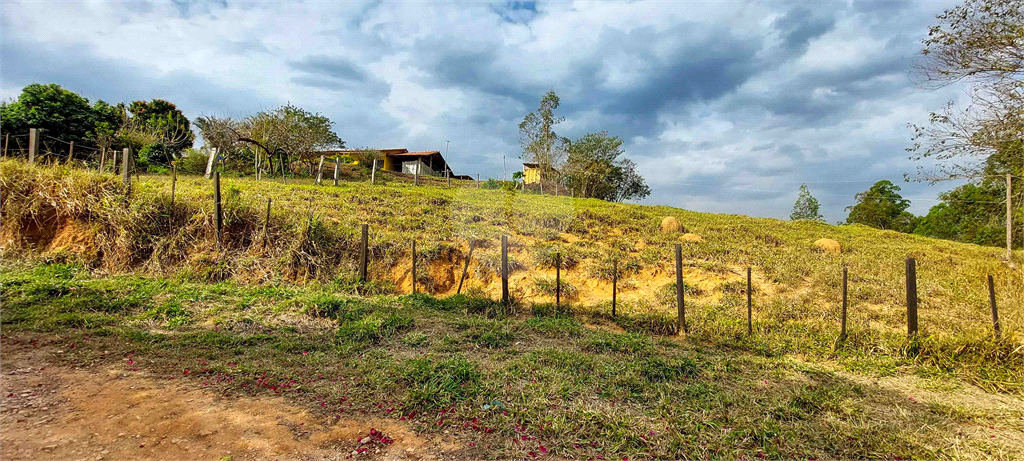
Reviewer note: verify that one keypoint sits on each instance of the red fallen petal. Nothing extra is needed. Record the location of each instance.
(542, 449)
(532, 454)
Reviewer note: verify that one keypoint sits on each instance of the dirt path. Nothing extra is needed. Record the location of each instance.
(51, 412)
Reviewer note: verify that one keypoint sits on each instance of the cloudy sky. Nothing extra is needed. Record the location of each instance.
(725, 106)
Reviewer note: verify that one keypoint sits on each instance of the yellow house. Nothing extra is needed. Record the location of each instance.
(531, 173)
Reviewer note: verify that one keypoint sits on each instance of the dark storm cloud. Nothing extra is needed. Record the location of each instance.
(335, 73)
(76, 67)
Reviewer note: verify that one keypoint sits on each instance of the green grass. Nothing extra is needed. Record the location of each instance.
(507, 383)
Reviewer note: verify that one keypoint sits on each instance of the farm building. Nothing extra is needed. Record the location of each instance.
(531, 173)
(402, 161)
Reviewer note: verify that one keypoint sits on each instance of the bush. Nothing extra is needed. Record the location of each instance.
(192, 161)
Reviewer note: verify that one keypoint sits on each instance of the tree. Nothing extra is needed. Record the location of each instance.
(285, 135)
(161, 128)
(60, 113)
(806, 206)
(540, 143)
(972, 213)
(882, 207)
(982, 43)
(593, 169)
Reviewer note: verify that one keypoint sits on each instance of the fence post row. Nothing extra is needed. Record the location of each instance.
(996, 330)
(413, 267)
(320, 170)
(7, 139)
(33, 144)
(504, 269)
(373, 173)
(680, 301)
(337, 161)
(911, 297)
(219, 217)
(466, 267)
(363, 253)
(842, 329)
(750, 310)
(71, 150)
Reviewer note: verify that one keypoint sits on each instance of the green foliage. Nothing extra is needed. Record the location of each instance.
(540, 143)
(806, 206)
(882, 207)
(60, 113)
(972, 213)
(594, 170)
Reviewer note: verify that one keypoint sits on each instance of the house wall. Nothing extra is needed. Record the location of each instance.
(531, 175)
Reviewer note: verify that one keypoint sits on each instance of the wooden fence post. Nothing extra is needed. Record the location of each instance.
(995, 312)
(504, 269)
(125, 161)
(266, 225)
(842, 329)
(416, 174)
(680, 301)
(373, 173)
(174, 183)
(210, 162)
(218, 214)
(1009, 220)
(71, 150)
(33, 144)
(337, 161)
(363, 251)
(448, 176)
(103, 158)
(558, 280)
(911, 297)
(7, 139)
(750, 309)
(413, 267)
(478, 180)
(320, 170)
(466, 267)
(615, 283)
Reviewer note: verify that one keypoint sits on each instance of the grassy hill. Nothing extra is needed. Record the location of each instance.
(84, 256)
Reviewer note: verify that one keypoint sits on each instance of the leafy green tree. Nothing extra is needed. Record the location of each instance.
(972, 213)
(61, 114)
(161, 128)
(594, 170)
(540, 142)
(806, 206)
(882, 207)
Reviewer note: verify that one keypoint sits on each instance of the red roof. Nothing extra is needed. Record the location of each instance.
(412, 154)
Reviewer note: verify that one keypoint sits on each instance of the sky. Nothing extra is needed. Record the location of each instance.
(726, 107)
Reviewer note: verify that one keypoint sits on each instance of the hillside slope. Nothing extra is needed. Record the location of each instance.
(312, 237)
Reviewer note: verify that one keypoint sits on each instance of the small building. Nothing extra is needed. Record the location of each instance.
(531, 173)
(402, 161)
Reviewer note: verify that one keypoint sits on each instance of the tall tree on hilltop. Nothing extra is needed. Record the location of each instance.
(537, 136)
(882, 207)
(806, 206)
(594, 170)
